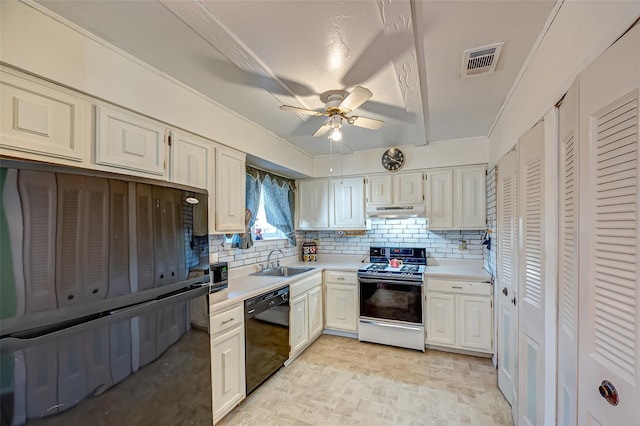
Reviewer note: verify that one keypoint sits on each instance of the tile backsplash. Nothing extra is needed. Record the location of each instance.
(389, 232)
(401, 233)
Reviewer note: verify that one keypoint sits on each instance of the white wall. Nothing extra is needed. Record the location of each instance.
(438, 154)
(44, 46)
(581, 31)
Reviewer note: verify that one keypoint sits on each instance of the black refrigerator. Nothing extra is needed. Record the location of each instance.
(97, 273)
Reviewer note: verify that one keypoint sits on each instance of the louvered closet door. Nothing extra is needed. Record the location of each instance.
(531, 344)
(609, 334)
(568, 178)
(507, 276)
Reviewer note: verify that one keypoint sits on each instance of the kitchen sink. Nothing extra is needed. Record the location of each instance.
(281, 271)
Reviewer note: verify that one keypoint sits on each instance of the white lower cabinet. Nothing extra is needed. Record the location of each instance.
(299, 329)
(341, 310)
(441, 318)
(227, 360)
(459, 315)
(306, 312)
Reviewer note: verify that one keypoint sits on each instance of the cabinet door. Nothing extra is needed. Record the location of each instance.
(441, 318)
(227, 371)
(299, 327)
(341, 312)
(313, 204)
(192, 161)
(475, 329)
(128, 141)
(440, 199)
(408, 188)
(379, 190)
(470, 202)
(39, 121)
(315, 312)
(230, 191)
(348, 203)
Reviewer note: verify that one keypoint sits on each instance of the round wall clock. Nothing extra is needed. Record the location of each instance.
(393, 159)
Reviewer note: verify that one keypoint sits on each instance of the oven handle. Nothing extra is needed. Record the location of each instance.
(364, 280)
(386, 324)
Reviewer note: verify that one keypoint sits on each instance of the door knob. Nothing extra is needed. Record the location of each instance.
(505, 291)
(513, 301)
(608, 392)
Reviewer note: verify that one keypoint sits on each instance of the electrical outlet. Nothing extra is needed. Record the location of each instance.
(462, 244)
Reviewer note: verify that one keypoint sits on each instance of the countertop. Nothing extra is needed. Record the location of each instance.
(454, 269)
(242, 286)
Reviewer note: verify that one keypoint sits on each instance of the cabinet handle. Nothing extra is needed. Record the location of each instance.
(505, 291)
(340, 278)
(457, 286)
(228, 321)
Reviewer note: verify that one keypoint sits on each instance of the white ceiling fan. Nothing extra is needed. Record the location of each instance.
(338, 104)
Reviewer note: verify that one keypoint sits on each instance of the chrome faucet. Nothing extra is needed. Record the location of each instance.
(277, 261)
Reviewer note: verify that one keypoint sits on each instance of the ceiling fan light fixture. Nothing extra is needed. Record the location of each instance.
(336, 134)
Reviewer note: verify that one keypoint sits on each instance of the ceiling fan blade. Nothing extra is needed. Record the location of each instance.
(367, 123)
(322, 130)
(357, 97)
(298, 110)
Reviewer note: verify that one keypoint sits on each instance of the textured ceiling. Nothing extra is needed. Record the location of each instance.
(253, 56)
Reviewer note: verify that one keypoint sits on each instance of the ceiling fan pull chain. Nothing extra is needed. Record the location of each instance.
(341, 170)
(330, 155)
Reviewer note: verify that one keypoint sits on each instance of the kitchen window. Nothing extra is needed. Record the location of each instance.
(262, 229)
(269, 208)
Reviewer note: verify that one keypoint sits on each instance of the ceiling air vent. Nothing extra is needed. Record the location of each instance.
(481, 60)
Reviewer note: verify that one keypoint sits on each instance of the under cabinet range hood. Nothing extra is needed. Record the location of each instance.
(396, 212)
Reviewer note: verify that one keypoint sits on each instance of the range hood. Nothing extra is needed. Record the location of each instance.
(396, 212)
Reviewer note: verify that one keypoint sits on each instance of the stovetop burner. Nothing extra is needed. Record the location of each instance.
(413, 262)
(384, 267)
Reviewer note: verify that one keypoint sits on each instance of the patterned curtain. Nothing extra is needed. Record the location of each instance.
(253, 188)
(279, 206)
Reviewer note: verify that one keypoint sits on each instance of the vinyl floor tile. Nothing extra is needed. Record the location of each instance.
(341, 381)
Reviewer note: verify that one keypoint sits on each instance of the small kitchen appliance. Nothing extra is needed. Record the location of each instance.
(391, 293)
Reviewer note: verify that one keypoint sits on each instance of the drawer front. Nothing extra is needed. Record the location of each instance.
(227, 319)
(304, 284)
(461, 287)
(341, 277)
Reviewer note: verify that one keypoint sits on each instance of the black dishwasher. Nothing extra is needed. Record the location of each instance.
(266, 334)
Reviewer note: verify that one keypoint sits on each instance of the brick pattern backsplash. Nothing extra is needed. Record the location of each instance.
(401, 233)
(490, 257)
(390, 232)
(256, 254)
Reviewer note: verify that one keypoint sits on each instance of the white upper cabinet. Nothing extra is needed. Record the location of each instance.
(470, 201)
(313, 204)
(379, 190)
(408, 188)
(456, 198)
(40, 122)
(230, 191)
(347, 210)
(395, 189)
(192, 161)
(440, 198)
(129, 141)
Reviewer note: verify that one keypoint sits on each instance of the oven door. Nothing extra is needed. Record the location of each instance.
(392, 300)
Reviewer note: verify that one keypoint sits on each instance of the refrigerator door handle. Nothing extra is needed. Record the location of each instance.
(45, 334)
